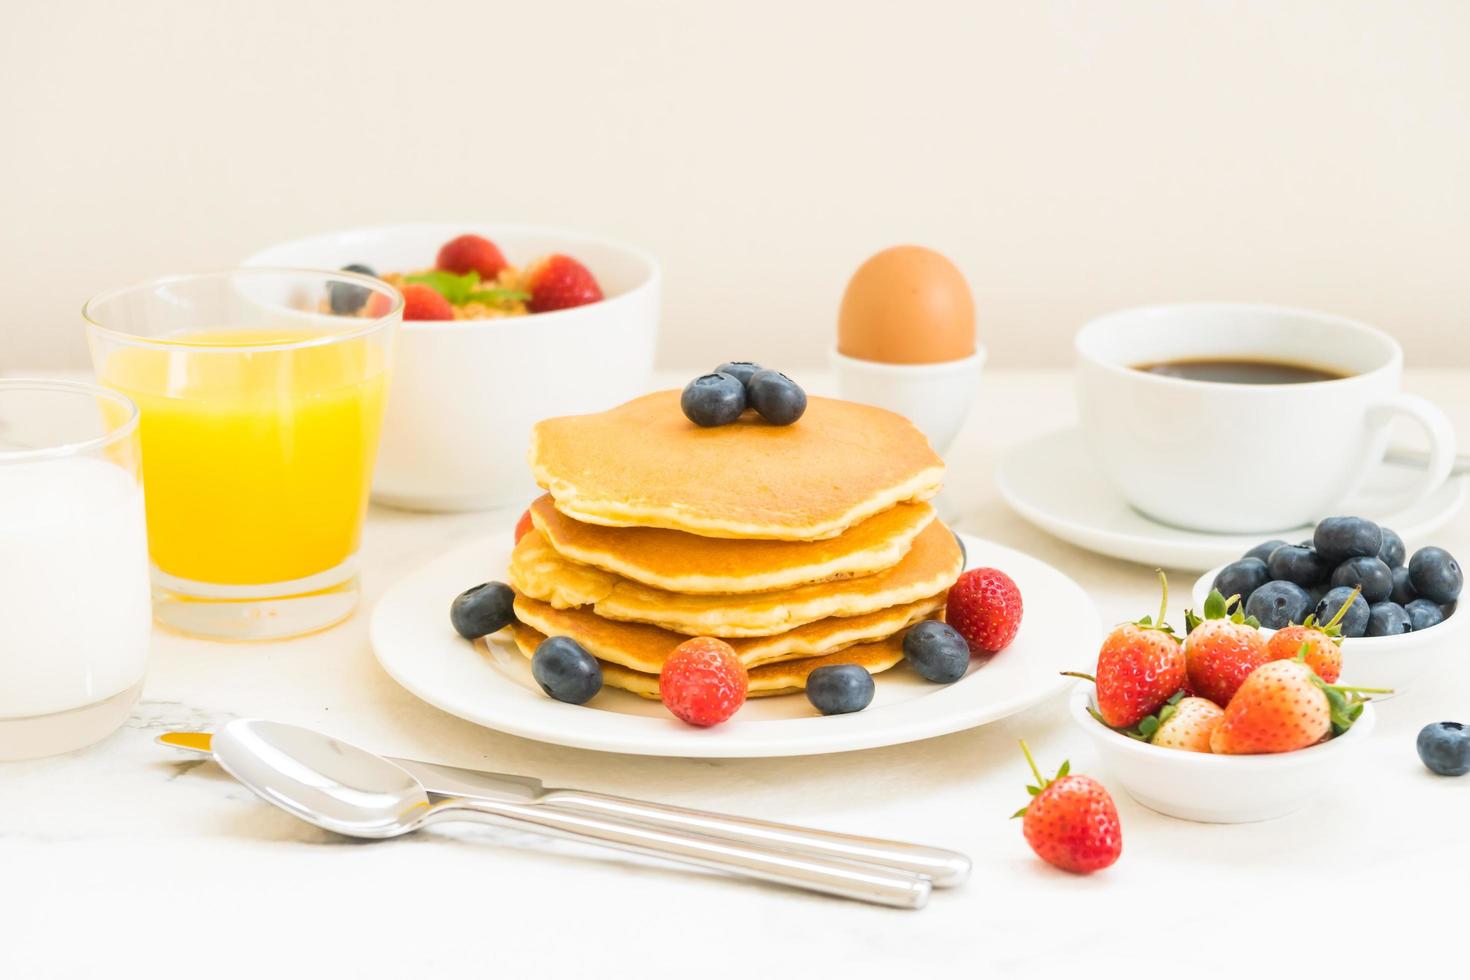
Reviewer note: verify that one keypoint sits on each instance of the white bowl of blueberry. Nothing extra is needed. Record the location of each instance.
(1394, 630)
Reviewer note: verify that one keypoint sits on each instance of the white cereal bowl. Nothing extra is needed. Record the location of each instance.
(935, 397)
(1218, 788)
(465, 393)
(1393, 662)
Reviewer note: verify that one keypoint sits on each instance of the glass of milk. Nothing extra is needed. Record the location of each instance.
(75, 615)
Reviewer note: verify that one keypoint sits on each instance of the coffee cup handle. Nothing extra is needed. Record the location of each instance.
(1442, 446)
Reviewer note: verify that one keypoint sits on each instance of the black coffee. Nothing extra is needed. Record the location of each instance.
(1241, 372)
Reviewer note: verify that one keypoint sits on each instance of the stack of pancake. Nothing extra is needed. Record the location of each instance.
(800, 545)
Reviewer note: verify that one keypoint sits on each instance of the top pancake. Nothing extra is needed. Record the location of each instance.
(643, 464)
(681, 562)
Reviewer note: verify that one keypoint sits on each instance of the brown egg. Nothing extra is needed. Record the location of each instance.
(907, 305)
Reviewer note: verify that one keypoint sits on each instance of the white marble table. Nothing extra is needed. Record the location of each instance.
(129, 860)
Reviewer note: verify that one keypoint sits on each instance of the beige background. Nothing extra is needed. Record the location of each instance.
(1071, 157)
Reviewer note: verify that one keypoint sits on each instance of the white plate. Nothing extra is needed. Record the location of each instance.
(414, 642)
(1052, 482)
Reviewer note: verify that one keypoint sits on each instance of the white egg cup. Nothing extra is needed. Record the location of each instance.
(935, 397)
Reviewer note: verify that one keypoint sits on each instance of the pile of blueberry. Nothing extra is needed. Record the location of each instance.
(722, 396)
(1281, 583)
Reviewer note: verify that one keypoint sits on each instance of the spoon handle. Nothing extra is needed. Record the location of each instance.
(863, 883)
(944, 868)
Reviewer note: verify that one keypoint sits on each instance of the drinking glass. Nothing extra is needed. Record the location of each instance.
(74, 619)
(261, 397)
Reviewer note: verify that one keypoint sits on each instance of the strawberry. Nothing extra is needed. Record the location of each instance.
(523, 526)
(471, 253)
(984, 607)
(1284, 706)
(1221, 649)
(1323, 643)
(559, 282)
(1187, 724)
(1071, 821)
(703, 682)
(421, 302)
(1139, 667)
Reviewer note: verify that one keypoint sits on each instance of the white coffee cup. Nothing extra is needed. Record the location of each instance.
(1239, 457)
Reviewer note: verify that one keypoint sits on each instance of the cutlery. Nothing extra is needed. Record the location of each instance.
(943, 867)
(350, 791)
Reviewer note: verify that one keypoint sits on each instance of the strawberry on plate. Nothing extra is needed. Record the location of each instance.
(1139, 668)
(703, 682)
(523, 526)
(1323, 643)
(1284, 706)
(471, 253)
(1221, 649)
(984, 606)
(1071, 821)
(559, 282)
(422, 302)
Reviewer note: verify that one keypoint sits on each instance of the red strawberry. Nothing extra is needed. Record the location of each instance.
(1139, 667)
(703, 682)
(1323, 644)
(523, 526)
(471, 253)
(1071, 821)
(984, 607)
(1187, 725)
(559, 282)
(1284, 706)
(1221, 649)
(420, 302)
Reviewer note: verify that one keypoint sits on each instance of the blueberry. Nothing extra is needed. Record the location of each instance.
(1436, 575)
(1392, 551)
(483, 610)
(839, 689)
(739, 369)
(1423, 613)
(1403, 593)
(1278, 604)
(1297, 563)
(1444, 748)
(1339, 538)
(1263, 550)
(1315, 593)
(778, 399)
(1387, 619)
(566, 671)
(1242, 578)
(964, 555)
(1373, 576)
(1354, 622)
(713, 399)
(346, 298)
(936, 651)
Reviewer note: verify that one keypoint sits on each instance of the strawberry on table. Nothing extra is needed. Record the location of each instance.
(984, 607)
(703, 682)
(1284, 706)
(421, 302)
(1222, 649)
(471, 253)
(559, 282)
(1139, 667)
(1187, 724)
(1071, 821)
(1323, 644)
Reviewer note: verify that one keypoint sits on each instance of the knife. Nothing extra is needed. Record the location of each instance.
(944, 868)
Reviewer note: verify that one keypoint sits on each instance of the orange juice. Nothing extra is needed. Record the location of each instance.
(257, 457)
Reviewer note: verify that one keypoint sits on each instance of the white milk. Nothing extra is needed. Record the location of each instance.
(75, 611)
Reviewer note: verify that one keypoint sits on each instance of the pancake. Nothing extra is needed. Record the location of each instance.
(641, 647)
(930, 567)
(643, 464)
(787, 677)
(677, 561)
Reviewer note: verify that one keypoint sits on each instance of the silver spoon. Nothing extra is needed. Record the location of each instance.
(353, 792)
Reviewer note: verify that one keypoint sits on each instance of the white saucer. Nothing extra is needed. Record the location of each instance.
(1052, 482)
(491, 684)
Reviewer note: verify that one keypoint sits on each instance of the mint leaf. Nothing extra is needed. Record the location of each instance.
(456, 289)
(497, 297)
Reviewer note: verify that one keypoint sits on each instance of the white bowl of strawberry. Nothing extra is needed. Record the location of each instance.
(1222, 723)
(504, 325)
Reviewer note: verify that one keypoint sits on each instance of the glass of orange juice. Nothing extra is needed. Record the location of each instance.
(260, 393)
